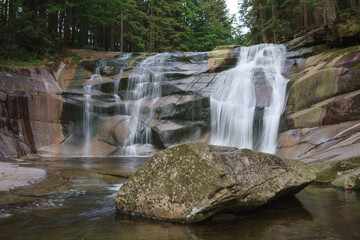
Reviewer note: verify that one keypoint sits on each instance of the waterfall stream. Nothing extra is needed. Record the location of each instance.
(144, 89)
(246, 102)
(88, 90)
(234, 100)
(87, 120)
(122, 58)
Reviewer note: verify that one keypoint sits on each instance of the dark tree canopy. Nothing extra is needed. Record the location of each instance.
(44, 26)
(280, 20)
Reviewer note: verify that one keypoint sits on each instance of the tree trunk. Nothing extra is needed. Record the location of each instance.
(330, 14)
(274, 25)
(265, 40)
(104, 37)
(5, 13)
(81, 34)
(61, 23)
(95, 36)
(67, 27)
(306, 16)
(298, 23)
(86, 36)
(122, 32)
(41, 26)
(151, 45)
(73, 29)
(112, 36)
(12, 13)
(52, 23)
(317, 17)
(353, 4)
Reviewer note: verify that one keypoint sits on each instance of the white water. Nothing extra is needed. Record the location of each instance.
(144, 84)
(272, 114)
(88, 108)
(233, 101)
(118, 78)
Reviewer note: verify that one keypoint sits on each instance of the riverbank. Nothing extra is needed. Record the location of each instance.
(13, 176)
(84, 208)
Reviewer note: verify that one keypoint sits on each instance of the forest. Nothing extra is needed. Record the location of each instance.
(41, 26)
(279, 21)
(44, 27)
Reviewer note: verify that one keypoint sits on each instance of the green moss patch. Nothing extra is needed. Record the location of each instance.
(329, 171)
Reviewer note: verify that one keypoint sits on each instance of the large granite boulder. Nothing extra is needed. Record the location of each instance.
(191, 182)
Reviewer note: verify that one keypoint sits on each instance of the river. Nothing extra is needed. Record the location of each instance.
(317, 212)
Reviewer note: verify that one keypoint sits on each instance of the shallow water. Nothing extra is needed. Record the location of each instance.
(315, 213)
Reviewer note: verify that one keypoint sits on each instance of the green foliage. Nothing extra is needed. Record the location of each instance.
(351, 28)
(42, 29)
(281, 20)
(76, 58)
(210, 25)
(21, 63)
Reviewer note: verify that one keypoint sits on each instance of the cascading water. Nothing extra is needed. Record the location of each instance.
(88, 106)
(233, 101)
(276, 80)
(122, 58)
(145, 90)
(87, 121)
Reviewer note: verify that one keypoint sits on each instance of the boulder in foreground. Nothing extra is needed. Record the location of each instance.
(191, 182)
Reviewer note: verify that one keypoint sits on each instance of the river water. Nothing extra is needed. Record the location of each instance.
(317, 212)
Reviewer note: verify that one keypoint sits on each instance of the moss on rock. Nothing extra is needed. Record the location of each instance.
(192, 182)
(344, 174)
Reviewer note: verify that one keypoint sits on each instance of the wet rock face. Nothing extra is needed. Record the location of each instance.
(30, 110)
(222, 58)
(180, 113)
(323, 76)
(321, 119)
(191, 182)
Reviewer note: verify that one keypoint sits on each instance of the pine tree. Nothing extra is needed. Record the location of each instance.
(43, 27)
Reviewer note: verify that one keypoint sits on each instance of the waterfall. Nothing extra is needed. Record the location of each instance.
(87, 118)
(122, 58)
(145, 90)
(274, 77)
(234, 99)
(88, 106)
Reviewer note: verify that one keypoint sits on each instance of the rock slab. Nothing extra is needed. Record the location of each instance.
(191, 182)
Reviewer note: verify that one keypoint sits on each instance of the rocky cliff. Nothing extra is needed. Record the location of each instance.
(42, 108)
(30, 106)
(322, 114)
(321, 122)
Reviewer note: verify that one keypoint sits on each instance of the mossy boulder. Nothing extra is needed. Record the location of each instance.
(344, 174)
(191, 182)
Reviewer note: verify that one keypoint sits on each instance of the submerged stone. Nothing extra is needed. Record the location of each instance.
(191, 182)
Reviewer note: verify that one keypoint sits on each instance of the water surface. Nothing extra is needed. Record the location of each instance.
(315, 213)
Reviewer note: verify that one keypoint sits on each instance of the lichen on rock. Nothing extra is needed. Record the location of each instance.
(191, 182)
